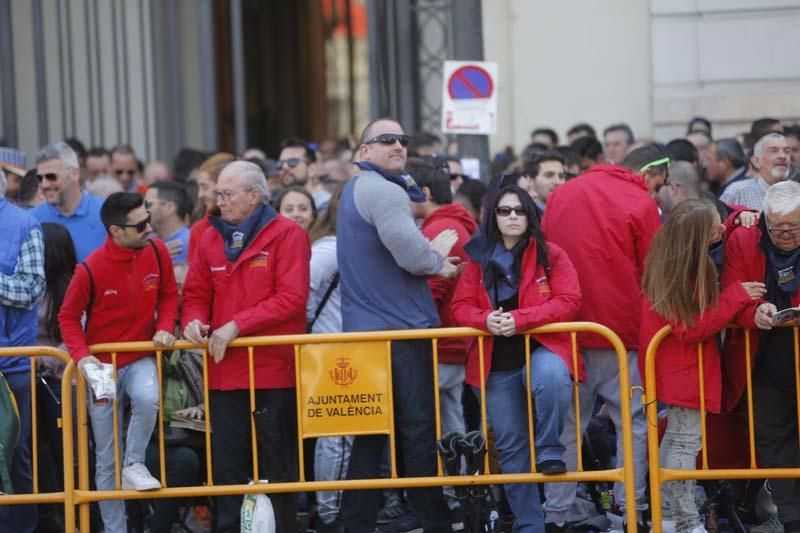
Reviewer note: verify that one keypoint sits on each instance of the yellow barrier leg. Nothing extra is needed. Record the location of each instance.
(67, 447)
(650, 399)
(627, 435)
(83, 448)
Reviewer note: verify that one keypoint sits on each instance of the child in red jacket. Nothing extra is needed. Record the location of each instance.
(681, 290)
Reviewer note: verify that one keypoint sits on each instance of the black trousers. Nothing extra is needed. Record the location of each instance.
(412, 389)
(276, 429)
(775, 421)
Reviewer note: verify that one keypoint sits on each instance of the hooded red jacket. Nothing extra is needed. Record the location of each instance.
(605, 220)
(264, 291)
(544, 298)
(134, 297)
(450, 216)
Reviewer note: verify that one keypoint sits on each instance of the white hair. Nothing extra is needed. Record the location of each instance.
(3, 183)
(758, 149)
(782, 198)
(61, 151)
(251, 175)
(103, 187)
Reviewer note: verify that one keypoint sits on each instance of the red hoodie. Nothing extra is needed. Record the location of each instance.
(134, 297)
(450, 216)
(605, 220)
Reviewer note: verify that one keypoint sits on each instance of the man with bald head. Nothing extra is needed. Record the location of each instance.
(250, 278)
(682, 183)
(384, 266)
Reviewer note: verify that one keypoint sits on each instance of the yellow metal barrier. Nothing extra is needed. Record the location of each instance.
(659, 475)
(67, 496)
(302, 344)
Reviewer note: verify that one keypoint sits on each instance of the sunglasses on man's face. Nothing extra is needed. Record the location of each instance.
(140, 226)
(50, 176)
(120, 172)
(389, 139)
(292, 162)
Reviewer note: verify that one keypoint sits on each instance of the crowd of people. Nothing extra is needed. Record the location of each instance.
(389, 233)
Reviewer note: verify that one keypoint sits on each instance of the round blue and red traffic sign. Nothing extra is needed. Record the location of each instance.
(470, 82)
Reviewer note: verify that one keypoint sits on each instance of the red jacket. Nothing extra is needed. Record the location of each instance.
(264, 291)
(677, 375)
(744, 261)
(605, 220)
(198, 228)
(451, 216)
(544, 298)
(134, 296)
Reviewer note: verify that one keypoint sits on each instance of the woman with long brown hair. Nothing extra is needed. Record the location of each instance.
(681, 290)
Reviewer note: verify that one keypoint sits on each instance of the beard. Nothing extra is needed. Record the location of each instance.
(780, 175)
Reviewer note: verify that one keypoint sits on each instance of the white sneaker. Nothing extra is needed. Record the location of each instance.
(136, 477)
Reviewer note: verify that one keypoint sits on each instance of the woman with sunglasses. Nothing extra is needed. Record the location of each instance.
(515, 282)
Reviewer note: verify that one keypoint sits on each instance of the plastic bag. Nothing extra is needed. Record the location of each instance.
(257, 515)
(101, 379)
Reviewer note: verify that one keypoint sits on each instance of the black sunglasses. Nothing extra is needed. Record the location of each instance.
(52, 176)
(292, 162)
(129, 172)
(140, 226)
(504, 211)
(389, 139)
(456, 176)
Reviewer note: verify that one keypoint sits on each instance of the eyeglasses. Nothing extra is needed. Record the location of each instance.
(456, 176)
(227, 195)
(389, 139)
(292, 162)
(140, 226)
(504, 211)
(51, 176)
(789, 232)
(129, 172)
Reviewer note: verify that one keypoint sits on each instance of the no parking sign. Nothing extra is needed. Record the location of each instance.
(469, 98)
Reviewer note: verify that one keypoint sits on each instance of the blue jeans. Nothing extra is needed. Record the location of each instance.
(331, 457)
(137, 383)
(507, 411)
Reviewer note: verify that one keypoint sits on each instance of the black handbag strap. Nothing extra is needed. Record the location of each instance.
(334, 283)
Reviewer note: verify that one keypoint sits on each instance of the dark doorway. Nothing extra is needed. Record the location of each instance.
(284, 64)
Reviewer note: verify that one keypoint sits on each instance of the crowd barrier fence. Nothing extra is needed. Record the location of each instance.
(65, 422)
(659, 475)
(325, 363)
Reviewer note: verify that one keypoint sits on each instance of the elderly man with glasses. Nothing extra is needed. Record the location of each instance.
(770, 251)
(59, 175)
(249, 277)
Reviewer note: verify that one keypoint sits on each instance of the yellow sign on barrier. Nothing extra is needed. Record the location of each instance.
(344, 388)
